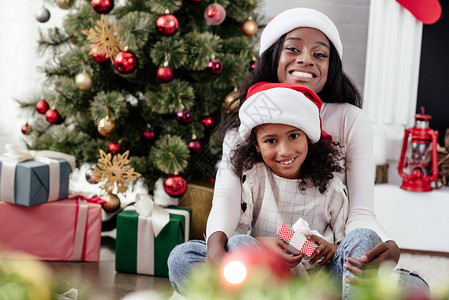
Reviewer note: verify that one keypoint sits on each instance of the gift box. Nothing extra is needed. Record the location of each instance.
(198, 198)
(297, 240)
(145, 239)
(66, 230)
(30, 178)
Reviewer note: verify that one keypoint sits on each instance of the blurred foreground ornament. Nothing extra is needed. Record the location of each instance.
(42, 106)
(125, 62)
(27, 129)
(42, 14)
(102, 6)
(214, 14)
(167, 24)
(114, 172)
(83, 81)
(419, 151)
(175, 186)
(249, 27)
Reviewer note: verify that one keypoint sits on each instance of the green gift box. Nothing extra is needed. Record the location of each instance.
(139, 249)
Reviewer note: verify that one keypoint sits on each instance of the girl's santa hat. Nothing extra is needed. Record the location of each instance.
(282, 103)
(294, 18)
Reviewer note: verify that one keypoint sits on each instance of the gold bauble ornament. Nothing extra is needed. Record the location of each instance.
(64, 4)
(229, 98)
(112, 202)
(83, 81)
(106, 126)
(249, 27)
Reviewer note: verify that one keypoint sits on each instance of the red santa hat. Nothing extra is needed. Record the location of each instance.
(293, 18)
(282, 103)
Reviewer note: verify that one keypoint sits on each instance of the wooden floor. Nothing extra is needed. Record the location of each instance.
(100, 281)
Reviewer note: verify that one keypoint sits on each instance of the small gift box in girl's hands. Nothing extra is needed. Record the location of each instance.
(296, 237)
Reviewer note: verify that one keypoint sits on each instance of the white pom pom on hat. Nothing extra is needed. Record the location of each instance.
(293, 18)
(282, 103)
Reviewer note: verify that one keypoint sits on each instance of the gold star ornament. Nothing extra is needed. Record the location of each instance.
(103, 38)
(116, 172)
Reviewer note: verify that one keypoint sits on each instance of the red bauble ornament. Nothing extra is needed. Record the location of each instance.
(175, 186)
(148, 134)
(53, 116)
(26, 129)
(194, 1)
(184, 117)
(167, 24)
(125, 62)
(114, 147)
(102, 6)
(215, 66)
(214, 14)
(195, 146)
(42, 106)
(165, 74)
(208, 122)
(99, 58)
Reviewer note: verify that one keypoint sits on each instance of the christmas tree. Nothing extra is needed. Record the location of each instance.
(148, 76)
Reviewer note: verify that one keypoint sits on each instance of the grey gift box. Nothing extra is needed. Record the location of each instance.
(32, 179)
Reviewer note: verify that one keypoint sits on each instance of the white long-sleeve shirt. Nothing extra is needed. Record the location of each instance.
(347, 125)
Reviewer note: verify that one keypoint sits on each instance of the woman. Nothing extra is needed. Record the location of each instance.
(303, 46)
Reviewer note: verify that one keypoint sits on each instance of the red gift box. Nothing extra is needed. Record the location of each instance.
(66, 230)
(298, 243)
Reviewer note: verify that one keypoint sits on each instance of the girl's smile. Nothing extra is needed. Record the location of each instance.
(283, 148)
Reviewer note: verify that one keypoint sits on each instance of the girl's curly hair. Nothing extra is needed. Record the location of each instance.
(321, 161)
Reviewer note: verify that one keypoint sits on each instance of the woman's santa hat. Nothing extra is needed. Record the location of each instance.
(294, 18)
(282, 103)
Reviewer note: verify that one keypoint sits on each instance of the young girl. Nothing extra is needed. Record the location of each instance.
(285, 162)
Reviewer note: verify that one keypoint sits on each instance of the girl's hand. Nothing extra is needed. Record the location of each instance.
(370, 261)
(325, 250)
(279, 247)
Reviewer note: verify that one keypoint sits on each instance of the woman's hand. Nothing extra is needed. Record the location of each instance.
(383, 251)
(325, 250)
(279, 247)
(216, 247)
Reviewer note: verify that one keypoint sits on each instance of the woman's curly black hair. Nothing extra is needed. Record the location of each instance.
(321, 161)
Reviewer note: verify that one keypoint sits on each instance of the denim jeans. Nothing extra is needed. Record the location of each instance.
(186, 257)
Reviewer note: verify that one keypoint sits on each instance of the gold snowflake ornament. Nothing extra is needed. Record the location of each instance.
(103, 38)
(117, 172)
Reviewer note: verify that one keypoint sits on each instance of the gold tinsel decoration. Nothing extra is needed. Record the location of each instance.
(103, 38)
(116, 172)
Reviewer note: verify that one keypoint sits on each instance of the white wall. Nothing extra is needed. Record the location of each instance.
(19, 77)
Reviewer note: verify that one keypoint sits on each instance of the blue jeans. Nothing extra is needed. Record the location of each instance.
(188, 256)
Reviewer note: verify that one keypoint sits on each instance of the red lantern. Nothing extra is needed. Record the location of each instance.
(419, 151)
